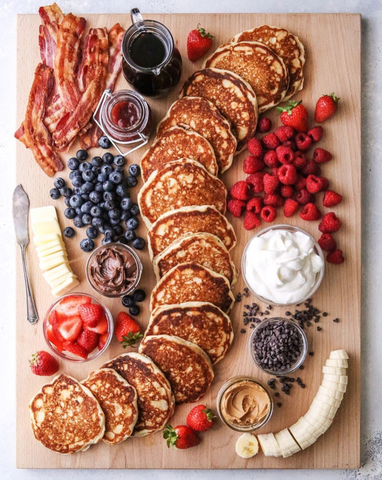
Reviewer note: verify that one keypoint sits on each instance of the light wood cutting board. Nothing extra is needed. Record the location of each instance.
(332, 43)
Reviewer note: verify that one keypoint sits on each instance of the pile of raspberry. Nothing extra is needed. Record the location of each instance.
(281, 175)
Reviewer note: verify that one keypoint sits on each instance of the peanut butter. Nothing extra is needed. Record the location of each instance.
(245, 403)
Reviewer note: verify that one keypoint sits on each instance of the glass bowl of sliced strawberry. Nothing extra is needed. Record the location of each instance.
(77, 327)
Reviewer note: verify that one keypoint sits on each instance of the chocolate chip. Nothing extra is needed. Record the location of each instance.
(279, 404)
(311, 354)
(301, 367)
(336, 320)
(242, 330)
(277, 394)
(325, 314)
(319, 329)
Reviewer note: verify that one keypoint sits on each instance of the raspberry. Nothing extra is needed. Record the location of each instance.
(268, 214)
(264, 125)
(290, 144)
(325, 185)
(321, 156)
(284, 133)
(327, 242)
(270, 183)
(315, 133)
(311, 168)
(310, 212)
(288, 175)
(290, 207)
(284, 154)
(275, 172)
(314, 184)
(330, 223)
(270, 141)
(273, 200)
(255, 204)
(331, 198)
(270, 159)
(251, 220)
(335, 257)
(256, 181)
(299, 160)
(303, 197)
(240, 191)
(255, 147)
(303, 142)
(300, 184)
(253, 164)
(236, 207)
(287, 191)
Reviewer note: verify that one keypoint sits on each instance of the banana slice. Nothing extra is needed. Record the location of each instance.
(336, 378)
(329, 392)
(287, 443)
(333, 402)
(341, 354)
(247, 445)
(334, 370)
(267, 443)
(336, 362)
(339, 387)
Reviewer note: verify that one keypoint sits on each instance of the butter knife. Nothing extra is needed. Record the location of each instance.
(20, 211)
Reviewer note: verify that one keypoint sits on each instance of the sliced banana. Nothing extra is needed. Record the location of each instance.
(329, 392)
(267, 443)
(247, 445)
(336, 362)
(339, 387)
(334, 370)
(328, 400)
(336, 378)
(287, 443)
(341, 354)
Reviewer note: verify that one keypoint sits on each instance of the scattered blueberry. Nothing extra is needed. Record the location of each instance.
(76, 201)
(108, 158)
(74, 174)
(104, 142)
(96, 161)
(82, 155)
(108, 186)
(122, 191)
(109, 196)
(134, 310)
(115, 214)
(77, 182)
(95, 211)
(126, 203)
(134, 210)
(55, 193)
(127, 301)
(66, 192)
(118, 230)
(88, 175)
(132, 223)
(101, 177)
(77, 221)
(106, 169)
(67, 201)
(139, 295)
(92, 232)
(134, 170)
(95, 196)
(130, 235)
(86, 219)
(59, 182)
(125, 215)
(109, 205)
(139, 243)
(115, 177)
(73, 163)
(87, 244)
(109, 232)
(123, 240)
(69, 213)
(87, 187)
(131, 182)
(106, 240)
(119, 160)
(98, 187)
(69, 232)
(84, 167)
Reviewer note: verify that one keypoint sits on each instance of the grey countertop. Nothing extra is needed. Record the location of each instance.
(371, 11)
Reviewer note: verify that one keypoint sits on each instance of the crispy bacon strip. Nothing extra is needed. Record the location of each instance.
(51, 18)
(33, 132)
(67, 59)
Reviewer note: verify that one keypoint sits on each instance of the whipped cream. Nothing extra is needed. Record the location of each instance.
(282, 266)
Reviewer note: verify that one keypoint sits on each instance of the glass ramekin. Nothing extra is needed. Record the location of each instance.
(319, 275)
(244, 428)
(68, 355)
(122, 247)
(297, 364)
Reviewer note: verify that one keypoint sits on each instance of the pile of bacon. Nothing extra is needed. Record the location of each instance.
(68, 85)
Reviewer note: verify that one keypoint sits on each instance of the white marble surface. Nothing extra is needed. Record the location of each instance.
(371, 11)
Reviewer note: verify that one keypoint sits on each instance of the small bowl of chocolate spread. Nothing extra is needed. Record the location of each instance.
(113, 270)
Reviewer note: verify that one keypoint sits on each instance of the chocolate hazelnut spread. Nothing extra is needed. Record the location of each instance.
(245, 403)
(113, 270)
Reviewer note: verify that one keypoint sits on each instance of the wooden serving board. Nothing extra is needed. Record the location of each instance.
(332, 43)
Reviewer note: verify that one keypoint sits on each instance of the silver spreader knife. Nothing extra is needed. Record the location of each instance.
(20, 210)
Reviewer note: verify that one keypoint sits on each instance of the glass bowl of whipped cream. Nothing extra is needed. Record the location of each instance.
(283, 265)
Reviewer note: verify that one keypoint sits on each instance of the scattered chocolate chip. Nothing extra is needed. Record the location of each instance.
(266, 312)
(302, 385)
(242, 330)
(269, 307)
(319, 329)
(301, 367)
(279, 404)
(277, 394)
(336, 320)
(311, 354)
(325, 314)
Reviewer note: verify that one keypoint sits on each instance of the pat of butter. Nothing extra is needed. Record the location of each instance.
(40, 240)
(66, 286)
(54, 284)
(50, 251)
(42, 214)
(49, 245)
(57, 272)
(53, 260)
(46, 227)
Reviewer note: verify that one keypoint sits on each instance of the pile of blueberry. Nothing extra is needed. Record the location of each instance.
(100, 199)
(130, 301)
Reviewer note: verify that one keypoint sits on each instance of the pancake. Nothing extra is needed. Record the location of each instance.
(155, 399)
(175, 223)
(287, 46)
(175, 143)
(202, 248)
(179, 184)
(118, 400)
(200, 115)
(258, 65)
(190, 282)
(66, 418)
(233, 96)
(197, 322)
(187, 367)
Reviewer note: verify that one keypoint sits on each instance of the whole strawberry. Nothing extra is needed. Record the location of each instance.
(127, 330)
(326, 107)
(43, 363)
(180, 437)
(198, 43)
(294, 115)
(200, 418)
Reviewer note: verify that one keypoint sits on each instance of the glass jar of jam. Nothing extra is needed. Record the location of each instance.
(152, 64)
(125, 117)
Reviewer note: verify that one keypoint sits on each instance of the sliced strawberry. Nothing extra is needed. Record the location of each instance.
(55, 321)
(52, 338)
(70, 328)
(91, 314)
(88, 340)
(76, 349)
(69, 305)
(102, 340)
(100, 328)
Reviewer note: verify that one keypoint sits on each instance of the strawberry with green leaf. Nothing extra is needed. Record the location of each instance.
(294, 115)
(127, 330)
(198, 43)
(180, 437)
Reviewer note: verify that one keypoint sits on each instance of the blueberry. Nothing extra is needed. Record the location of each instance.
(130, 235)
(106, 240)
(134, 210)
(95, 211)
(82, 155)
(77, 221)
(86, 207)
(59, 182)
(118, 230)
(87, 187)
(108, 186)
(109, 196)
(85, 197)
(119, 161)
(132, 223)
(55, 193)
(77, 191)
(67, 201)
(96, 170)
(123, 240)
(109, 205)
(139, 295)
(77, 182)
(73, 163)
(92, 232)
(78, 211)
(115, 214)
(115, 177)
(109, 232)
(66, 192)
(134, 310)
(106, 169)
(104, 142)
(96, 162)
(125, 215)
(102, 228)
(127, 300)
(84, 167)
(126, 203)
(87, 244)
(97, 222)
(114, 221)
(131, 181)
(139, 243)
(76, 201)
(101, 177)
(95, 197)
(108, 158)
(86, 219)
(88, 175)
(69, 212)
(98, 187)
(122, 191)
(119, 169)
(134, 170)
(74, 174)
(69, 232)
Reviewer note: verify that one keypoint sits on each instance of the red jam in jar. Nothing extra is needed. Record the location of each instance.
(124, 114)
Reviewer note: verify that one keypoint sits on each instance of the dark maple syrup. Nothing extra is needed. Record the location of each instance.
(147, 50)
